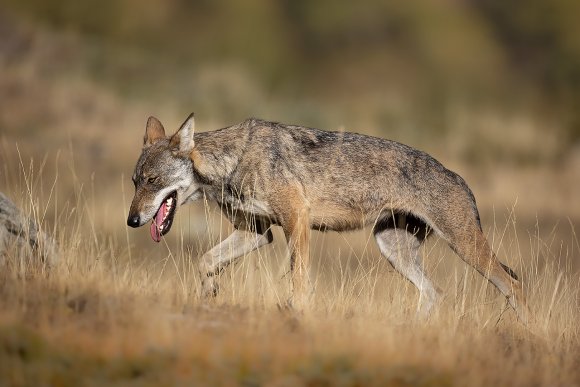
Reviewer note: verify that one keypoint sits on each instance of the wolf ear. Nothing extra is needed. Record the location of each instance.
(154, 131)
(183, 139)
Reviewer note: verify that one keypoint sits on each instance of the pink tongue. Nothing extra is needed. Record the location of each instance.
(155, 233)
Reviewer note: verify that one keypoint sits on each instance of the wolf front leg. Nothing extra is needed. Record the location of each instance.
(296, 227)
(237, 244)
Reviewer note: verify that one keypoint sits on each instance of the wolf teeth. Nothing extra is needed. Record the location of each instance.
(168, 206)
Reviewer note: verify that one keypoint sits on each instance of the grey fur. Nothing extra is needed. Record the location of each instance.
(265, 173)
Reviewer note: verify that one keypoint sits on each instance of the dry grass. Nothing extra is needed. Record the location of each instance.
(119, 310)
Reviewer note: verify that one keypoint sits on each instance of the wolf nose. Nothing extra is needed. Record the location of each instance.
(133, 221)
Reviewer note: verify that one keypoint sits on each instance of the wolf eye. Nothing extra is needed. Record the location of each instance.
(152, 180)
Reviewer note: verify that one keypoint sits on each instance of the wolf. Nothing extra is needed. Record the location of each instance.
(265, 173)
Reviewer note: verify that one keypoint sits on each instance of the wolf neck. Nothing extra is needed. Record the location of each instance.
(216, 154)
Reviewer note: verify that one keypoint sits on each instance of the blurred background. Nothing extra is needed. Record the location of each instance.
(490, 88)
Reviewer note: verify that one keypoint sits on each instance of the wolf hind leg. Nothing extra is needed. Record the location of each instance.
(401, 248)
(237, 244)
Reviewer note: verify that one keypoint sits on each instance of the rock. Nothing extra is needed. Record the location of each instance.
(21, 234)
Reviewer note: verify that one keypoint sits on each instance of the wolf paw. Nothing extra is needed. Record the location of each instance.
(209, 289)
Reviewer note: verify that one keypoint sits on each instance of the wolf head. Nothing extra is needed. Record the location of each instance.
(163, 176)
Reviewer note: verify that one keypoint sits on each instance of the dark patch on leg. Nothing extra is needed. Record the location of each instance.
(383, 223)
(409, 222)
(510, 271)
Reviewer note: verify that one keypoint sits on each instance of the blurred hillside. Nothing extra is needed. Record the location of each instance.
(491, 79)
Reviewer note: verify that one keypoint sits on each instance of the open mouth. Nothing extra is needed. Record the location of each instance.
(164, 217)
